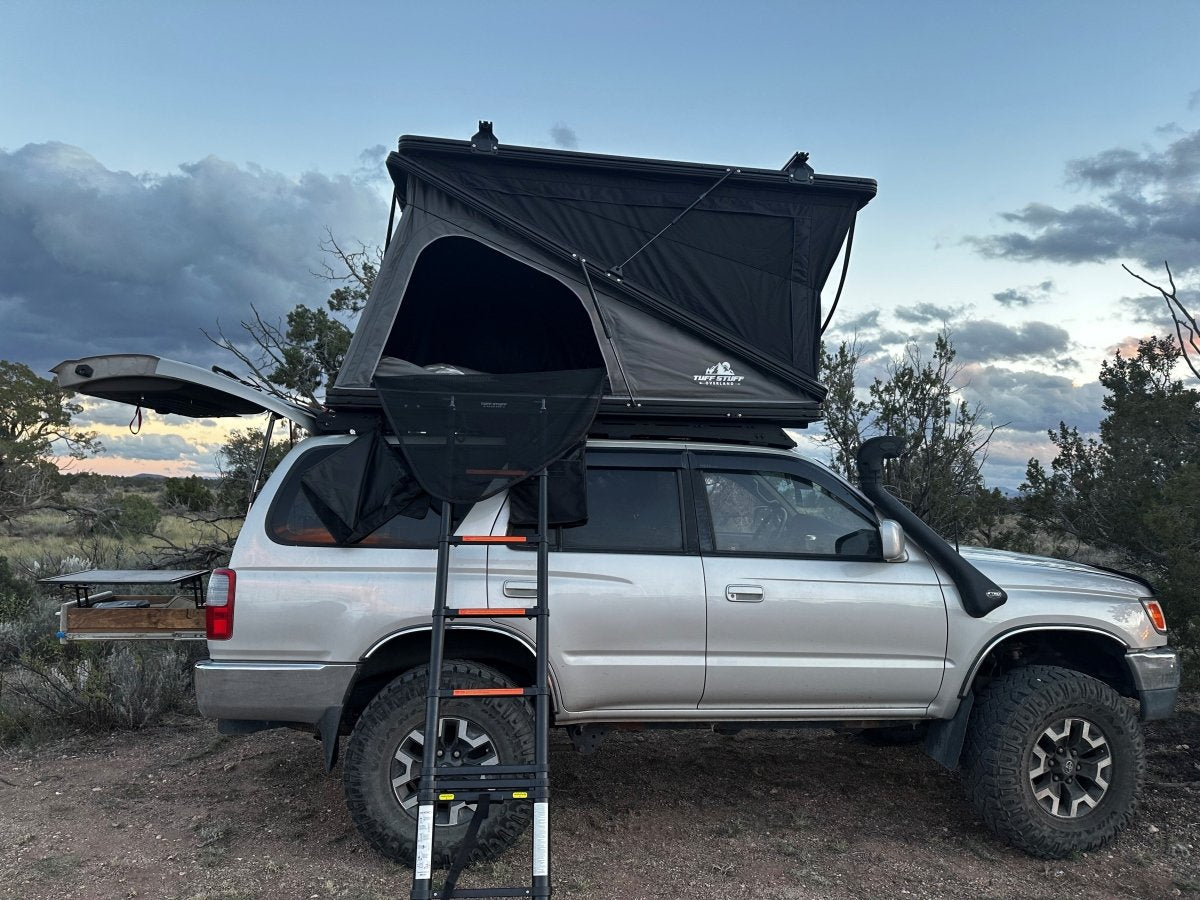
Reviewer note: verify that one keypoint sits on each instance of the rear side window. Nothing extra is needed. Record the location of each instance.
(629, 511)
(292, 520)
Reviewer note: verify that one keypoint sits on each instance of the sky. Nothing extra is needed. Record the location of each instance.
(163, 166)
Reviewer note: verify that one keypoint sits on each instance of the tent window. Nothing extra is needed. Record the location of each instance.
(468, 305)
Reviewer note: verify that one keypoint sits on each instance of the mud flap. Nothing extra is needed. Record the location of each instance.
(327, 727)
(945, 739)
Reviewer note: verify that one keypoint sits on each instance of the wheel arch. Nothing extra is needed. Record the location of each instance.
(509, 653)
(1092, 651)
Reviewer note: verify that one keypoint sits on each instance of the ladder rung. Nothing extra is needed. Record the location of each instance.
(487, 892)
(460, 771)
(450, 789)
(497, 612)
(491, 539)
(490, 692)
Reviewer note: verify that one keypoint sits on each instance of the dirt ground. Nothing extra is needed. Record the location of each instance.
(181, 812)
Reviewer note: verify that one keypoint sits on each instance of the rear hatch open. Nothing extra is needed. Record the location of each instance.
(168, 386)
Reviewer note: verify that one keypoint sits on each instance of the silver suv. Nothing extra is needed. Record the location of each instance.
(712, 584)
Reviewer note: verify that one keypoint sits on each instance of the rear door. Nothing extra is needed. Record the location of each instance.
(803, 613)
(168, 386)
(627, 605)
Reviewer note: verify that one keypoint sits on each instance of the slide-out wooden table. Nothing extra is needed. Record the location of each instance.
(132, 605)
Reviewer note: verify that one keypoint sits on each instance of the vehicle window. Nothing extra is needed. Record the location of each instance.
(778, 513)
(629, 511)
(292, 520)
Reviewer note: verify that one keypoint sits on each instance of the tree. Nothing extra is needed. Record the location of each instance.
(303, 357)
(35, 428)
(1187, 329)
(1133, 493)
(237, 461)
(939, 475)
(189, 493)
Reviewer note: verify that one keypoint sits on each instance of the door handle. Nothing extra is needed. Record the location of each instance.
(744, 593)
(520, 590)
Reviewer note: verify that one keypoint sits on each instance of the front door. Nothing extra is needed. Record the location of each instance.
(803, 613)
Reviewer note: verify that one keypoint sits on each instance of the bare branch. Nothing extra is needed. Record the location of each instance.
(1181, 317)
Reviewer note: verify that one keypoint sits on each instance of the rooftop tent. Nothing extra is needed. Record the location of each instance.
(696, 288)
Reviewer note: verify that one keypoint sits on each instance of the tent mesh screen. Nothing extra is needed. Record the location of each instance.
(468, 437)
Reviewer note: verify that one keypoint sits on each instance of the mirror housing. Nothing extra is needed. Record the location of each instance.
(891, 540)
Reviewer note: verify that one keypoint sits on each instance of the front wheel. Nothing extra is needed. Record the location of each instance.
(1054, 761)
(383, 763)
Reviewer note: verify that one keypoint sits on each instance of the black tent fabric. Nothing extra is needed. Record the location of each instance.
(468, 437)
(360, 487)
(567, 500)
(696, 287)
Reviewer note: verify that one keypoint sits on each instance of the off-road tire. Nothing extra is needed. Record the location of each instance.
(398, 710)
(1009, 717)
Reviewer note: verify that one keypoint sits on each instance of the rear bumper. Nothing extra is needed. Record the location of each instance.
(278, 692)
(1156, 676)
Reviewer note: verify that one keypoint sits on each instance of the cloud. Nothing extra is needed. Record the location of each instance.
(1025, 296)
(983, 340)
(155, 447)
(1146, 310)
(1033, 401)
(564, 136)
(94, 260)
(867, 321)
(924, 313)
(1194, 100)
(1147, 208)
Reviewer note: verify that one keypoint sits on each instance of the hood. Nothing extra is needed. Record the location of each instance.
(1017, 571)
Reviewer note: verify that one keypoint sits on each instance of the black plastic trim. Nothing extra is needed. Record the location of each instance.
(978, 594)
(1003, 636)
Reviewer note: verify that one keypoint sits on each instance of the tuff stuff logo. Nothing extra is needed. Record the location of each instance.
(720, 374)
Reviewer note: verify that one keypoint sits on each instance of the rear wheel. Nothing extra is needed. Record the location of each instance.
(1054, 760)
(383, 763)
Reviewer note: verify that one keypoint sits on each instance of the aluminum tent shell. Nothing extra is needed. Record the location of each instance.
(696, 287)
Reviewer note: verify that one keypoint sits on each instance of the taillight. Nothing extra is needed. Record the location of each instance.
(1155, 612)
(218, 607)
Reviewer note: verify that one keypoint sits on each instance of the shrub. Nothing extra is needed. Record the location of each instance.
(136, 514)
(189, 493)
(48, 689)
(54, 690)
(16, 594)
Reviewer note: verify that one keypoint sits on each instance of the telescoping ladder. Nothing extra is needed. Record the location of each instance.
(484, 785)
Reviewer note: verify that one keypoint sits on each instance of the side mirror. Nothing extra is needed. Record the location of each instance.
(891, 539)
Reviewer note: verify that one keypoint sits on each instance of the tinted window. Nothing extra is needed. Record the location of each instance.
(292, 520)
(631, 511)
(778, 513)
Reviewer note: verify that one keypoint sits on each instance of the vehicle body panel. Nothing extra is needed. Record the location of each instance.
(169, 386)
(627, 630)
(827, 633)
(640, 638)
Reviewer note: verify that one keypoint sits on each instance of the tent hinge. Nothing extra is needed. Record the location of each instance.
(798, 169)
(484, 141)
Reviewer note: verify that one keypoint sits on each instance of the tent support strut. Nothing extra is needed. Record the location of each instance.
(842, 280)
(587, 276)
(616, 270)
